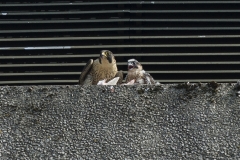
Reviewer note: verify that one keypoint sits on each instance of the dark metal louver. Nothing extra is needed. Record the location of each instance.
(176, 41)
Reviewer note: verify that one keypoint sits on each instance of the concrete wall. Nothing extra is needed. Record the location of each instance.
(131, 122)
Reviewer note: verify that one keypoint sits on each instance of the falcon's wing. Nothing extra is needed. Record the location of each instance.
(85, 72)
(120, 75)
(148, 79)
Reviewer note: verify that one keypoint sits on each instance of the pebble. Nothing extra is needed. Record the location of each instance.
(117, 125)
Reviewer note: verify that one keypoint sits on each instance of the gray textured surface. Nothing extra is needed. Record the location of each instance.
(134, 122)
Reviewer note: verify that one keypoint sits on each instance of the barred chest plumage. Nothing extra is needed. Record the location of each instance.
(104, 72)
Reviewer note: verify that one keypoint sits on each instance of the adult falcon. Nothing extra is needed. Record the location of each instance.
(103, 68)
(136, 72)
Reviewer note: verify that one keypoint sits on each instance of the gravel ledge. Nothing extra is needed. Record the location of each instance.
(186, 121)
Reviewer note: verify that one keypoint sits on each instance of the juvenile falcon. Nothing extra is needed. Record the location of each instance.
(136, 72)
(102, 68)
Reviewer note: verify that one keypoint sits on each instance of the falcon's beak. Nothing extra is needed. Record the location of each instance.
(132, 65)
(107, 54)
(104, 53)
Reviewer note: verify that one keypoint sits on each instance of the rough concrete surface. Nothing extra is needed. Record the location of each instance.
(170, 121)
